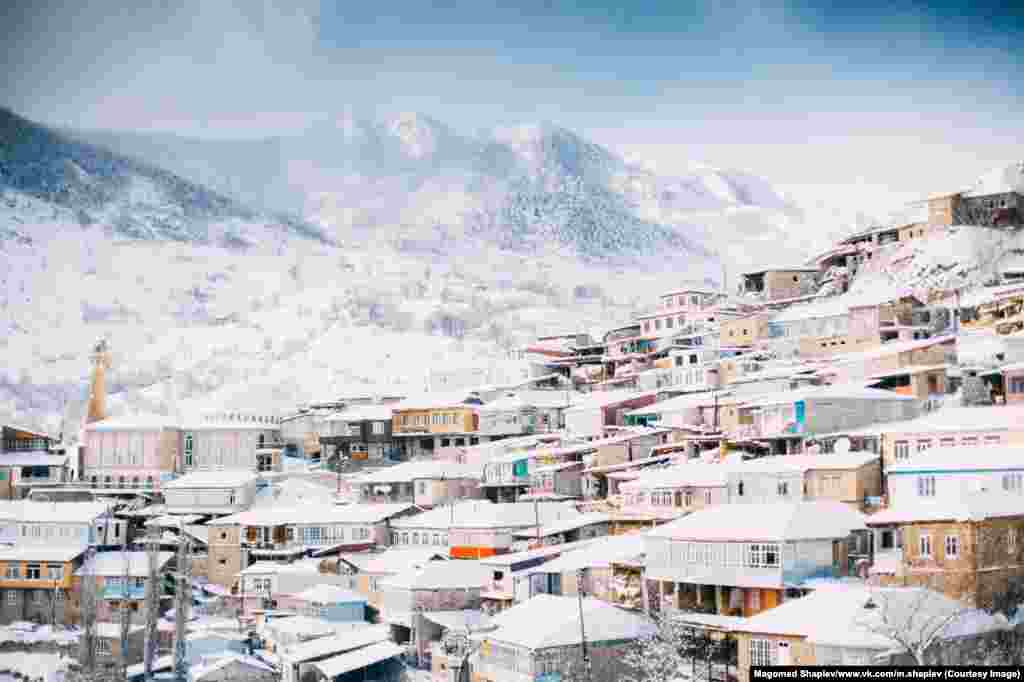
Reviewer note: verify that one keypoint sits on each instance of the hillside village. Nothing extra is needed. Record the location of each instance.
(843, 436)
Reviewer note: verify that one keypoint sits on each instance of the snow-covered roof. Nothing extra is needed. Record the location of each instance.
(689, 474)
(581, 521)
(204, 668)
(30, 552)
(835, 392)
(229, 478)
(467, 620)
(173, 521)
(358, 659)
(912, 612)
(113, 630)
(777, 521)
(302, 626)
(483, 514)
(801, 463)
(313, 513)
(600, 399)
(441, 575)
(362, 413)
(30, 511)
(1009, 178)
(598, 553)
(32, 459)
(113, 564)
(395, 560)
(636, 463)
(438, 401)
(987, 504)
(982, 295)
(893, 347)
(407, 472)
(350, 640)
(683, 402)
(956, 418)
(530, 555)
(834, 306)
(957, 459)
(137, 422)
(547, 621)
(330, 594)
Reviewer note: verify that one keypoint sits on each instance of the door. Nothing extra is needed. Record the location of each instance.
(783, 657)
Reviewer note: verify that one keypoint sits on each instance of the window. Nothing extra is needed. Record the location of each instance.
(59, 595)
(952, 546)
(189, 450)
(1012, 482)
(926, 486)
(947, 442)
(707, 497)
(969, 441)
(103, 646)
(783, 488)
(739, 489)
(1011, 540)
(377, 428)
(1017, 385)
(762, 651)
(12, 596)
(54, 571)
(311, 535)
(924, 545)
(37, 596)
(901, 449)
(924, 444)
(415, 538)
(421, 487)
(688, 499)
(657, 324)
(668, 322)
(992, 440)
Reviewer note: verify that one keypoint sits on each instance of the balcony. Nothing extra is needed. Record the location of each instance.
(123, 592)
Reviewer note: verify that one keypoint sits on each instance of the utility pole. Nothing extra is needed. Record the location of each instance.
(583, 632)
(182, 598)
(125, 615)
(87, 642)
(153, 588)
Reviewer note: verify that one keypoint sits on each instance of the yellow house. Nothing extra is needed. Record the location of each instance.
(433, 422)
(743, 331)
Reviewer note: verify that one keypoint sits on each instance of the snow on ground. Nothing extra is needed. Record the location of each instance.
(35, 666)
(30, 633)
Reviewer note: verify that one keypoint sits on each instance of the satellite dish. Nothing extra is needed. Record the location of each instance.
(842, 446)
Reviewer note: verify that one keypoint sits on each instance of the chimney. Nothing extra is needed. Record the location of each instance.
(97, 409)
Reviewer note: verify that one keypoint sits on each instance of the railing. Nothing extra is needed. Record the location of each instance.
(123, 592)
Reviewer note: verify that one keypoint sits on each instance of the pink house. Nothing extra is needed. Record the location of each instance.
(1013, 380)
(139, 451)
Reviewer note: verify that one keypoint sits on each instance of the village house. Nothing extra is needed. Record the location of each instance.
(746, 331)
(230, 668)
(300, 432)
(786, 418)
(433, 586)
(433, 423)
(109, 644)
(238, 540)
(226, 440)
(967, 547)
(359, 432)
(853, 478)
(425, 483)
(380, 565)
(913, 368)
(378, 661)
(861, 626)
(999, 308)
(143, 450)
(524, 413)
(510, 574)
(591, 415)
(715, 561)
(662, 494)
(540, 639)
(949, 473)
(588, 568)
(603, 484)
(326, 601)
(210, 492)
(1013, 381)
(121, 582)
(299, 660)
(271, 584)
(949, 427)
(689, 365)
(27, 459)
(772, 284)
(476, 529)
(628, 352)
(583, 527)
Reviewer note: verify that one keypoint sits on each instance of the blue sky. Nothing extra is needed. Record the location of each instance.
(894, 96)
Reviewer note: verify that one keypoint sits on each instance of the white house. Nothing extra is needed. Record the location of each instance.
(950, 473)
(739, 559)
(211, 492)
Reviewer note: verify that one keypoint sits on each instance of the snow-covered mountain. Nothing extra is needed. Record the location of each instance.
(415, 182)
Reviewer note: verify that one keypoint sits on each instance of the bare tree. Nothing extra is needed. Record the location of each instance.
(152, 638)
